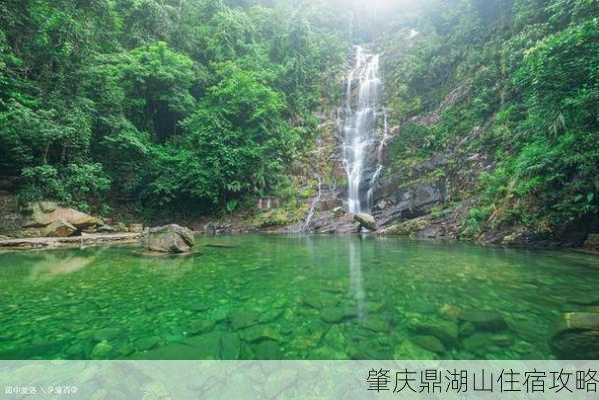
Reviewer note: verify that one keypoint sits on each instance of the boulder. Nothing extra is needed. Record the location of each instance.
(577, 336)
(170, 239)
(366, 221)
(43, 213)
(59, 228)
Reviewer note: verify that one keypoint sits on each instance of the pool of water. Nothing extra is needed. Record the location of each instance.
(286, 297)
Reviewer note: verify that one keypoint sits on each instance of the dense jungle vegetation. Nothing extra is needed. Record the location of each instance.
(522, 80)
(167, 104)
(160, 103)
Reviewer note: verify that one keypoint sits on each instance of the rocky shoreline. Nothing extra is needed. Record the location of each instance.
(48, 225)
(76, 241)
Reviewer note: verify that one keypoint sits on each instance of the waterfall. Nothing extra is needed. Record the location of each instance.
(362, 113)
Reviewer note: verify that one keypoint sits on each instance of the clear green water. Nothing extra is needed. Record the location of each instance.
(313, 297)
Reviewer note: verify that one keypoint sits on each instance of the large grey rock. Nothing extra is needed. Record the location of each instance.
(59, 228)
(577, 336)
(397, 201)
(170, 239)
(366, 221)
(43, 213)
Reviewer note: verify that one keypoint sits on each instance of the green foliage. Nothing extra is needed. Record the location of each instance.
(531, 72)
(476, 219)
(160, 103)
(79, 185)
(254, 139)
(164, 104)
(555, 167)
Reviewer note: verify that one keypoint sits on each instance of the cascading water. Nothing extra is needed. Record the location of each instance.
(362, 113)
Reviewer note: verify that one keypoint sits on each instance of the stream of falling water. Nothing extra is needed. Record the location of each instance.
(362, 161)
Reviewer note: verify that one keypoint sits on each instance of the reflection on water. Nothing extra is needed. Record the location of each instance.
(52, 266)
(290, 297)
(355, 275)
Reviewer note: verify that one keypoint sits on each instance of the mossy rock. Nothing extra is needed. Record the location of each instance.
(408, 228)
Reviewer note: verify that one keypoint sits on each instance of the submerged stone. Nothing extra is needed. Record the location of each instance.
(483, 343)
(125, 349)
(76, 351)
(230, 346)
(446, 331)
(376, 325)
(577, 336)
(430, 343)
(147, 343)
(334, 315)
(102, 351)
(205, 347)
(271, 315)
(244, 319)
(450, 312)
(200, 326)
(485, 320)
(312, 302)
(260, 332)
(320, 300)
(268, 350)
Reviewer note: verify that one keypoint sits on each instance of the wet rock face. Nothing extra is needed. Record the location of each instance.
(329, 222)
(577, 336)
(406, 203)
(170, 239)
